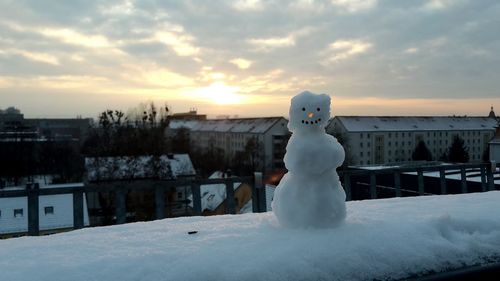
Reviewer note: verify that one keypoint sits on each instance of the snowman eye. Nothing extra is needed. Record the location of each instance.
(303, 109)
(317, 109)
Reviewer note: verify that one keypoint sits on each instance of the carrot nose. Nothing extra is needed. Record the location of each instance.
(310, 115)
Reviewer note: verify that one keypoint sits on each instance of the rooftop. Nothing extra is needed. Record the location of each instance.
(238, 125)
(415, 123)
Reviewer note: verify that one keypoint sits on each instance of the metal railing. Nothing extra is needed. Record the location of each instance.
(33, 192)
(484, 170)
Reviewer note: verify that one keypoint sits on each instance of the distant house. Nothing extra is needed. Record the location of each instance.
(213, 196)
(164, 167)
(55, 213)
(128, 171)
(495, 146)
(214, 201)
(232, 135)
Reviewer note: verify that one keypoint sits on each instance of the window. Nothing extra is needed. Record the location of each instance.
(360, 144)
(361, 154)
(49, 210)
(18, 213)
(179, 195)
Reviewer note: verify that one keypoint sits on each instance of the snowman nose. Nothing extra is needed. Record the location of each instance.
(310, 115)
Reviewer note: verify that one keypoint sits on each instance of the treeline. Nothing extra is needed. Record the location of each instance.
(142, 132)
(59, 159)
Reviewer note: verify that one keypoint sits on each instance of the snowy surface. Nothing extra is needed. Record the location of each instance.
(386, 238)
(62, 216)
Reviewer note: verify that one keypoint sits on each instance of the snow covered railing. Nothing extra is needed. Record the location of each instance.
(120, 188)
(485, 171)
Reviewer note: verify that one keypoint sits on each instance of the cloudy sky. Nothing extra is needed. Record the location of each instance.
(247, 58)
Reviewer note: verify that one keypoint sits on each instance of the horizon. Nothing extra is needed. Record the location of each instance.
(249, 57)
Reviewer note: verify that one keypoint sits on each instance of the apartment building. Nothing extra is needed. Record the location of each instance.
(372, 140)
(231, 136)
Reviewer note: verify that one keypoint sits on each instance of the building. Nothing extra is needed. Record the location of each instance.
(12, 122)
(10, 116)
(55, 212)
(232, 135)
(495, 146)
(191, 115)
(372, 140)
(61, 128)
(128, 172)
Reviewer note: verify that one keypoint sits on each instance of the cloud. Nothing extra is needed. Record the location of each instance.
(241, 63)
(73, 37)
(412, 50)
(438, 5)
(35, 56)
(248, 5)
(354, 6)
(181, 44)
(270, 43)
(345, 49)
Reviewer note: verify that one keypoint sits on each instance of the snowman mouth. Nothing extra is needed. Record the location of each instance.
(311, 122)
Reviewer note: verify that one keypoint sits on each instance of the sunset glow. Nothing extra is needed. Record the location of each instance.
(220, 93)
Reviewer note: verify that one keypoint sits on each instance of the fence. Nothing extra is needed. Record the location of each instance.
(484, 170)
(350, 179)
(33, 192)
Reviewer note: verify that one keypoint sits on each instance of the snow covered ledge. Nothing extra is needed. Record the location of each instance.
(390, 238)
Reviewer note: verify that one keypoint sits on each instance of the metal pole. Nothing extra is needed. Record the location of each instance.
(33, 209)
(78, 212)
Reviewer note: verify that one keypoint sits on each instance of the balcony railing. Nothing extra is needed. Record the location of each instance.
(369, 179)
(120, 188)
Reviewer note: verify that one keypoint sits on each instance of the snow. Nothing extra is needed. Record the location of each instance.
(212, 195)
(410, 123)
(380, 239)
(310, 194)
(457, 175)
(237, 125)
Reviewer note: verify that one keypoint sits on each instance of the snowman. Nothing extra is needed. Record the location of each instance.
(310, 194)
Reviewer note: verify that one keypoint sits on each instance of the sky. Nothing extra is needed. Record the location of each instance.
(249, 57)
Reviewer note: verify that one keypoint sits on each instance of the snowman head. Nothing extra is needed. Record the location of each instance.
(309, 112)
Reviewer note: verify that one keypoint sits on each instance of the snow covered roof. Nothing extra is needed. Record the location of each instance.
(240, 125)
(163, 167)
(384, 239)
(212, 195)
(14, 211)
(472, 176)
(414, 123)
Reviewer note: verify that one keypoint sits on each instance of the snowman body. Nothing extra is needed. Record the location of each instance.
(310, 194)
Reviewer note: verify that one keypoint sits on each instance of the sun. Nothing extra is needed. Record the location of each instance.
(222, 94)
